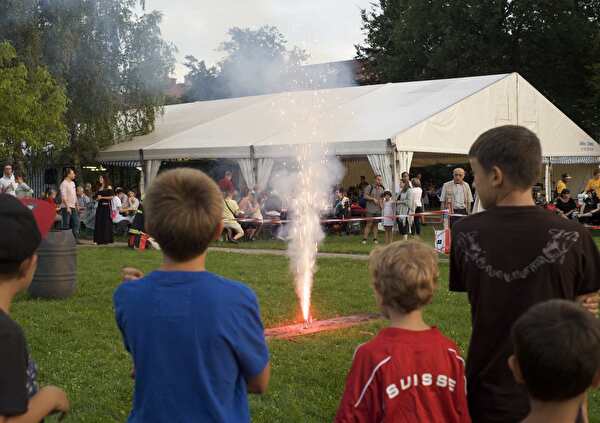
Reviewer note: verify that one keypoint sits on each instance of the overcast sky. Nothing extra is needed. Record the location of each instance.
(327, 29)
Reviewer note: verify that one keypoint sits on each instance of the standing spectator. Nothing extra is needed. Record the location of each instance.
(103, 226)
(251, 209)
(68, 203)
(362, 184)
(226, 184)
(341, 209)
(83, 202)
(7, 182)
(87, 189)
(509, 258)
(23, 190)
(373, 194)
(231, 210)
(21, 398)
(195, 338)
(409, 372)
(416, 204)
(389, 216)
(457, 196)
(565, 205)
(593, 184)
(403, 201)
(562, 183)
(405, 178)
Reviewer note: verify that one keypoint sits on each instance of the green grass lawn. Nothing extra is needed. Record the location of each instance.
(78, 347)
(349, 244)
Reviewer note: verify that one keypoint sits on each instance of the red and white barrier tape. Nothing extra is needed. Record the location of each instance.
(351, 219)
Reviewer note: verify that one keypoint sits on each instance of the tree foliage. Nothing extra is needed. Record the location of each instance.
(553, 44)
(32, 107)
(113, 63)
(256, 62)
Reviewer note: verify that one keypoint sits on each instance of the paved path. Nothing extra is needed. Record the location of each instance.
(255, 252)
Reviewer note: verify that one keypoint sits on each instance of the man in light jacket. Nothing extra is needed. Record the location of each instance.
(457, 196)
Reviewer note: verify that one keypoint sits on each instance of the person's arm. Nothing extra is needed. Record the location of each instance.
(456, 277)
(588, 282)
(443, 195)
(48, 400)
(259, 383)
(246, 333)
(469, 204)
(63, 195)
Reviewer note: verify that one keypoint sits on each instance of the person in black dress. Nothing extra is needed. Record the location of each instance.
(103, 228)
(565, 205)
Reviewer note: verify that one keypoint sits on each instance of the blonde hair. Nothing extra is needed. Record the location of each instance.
(183, 208)
(404, 274)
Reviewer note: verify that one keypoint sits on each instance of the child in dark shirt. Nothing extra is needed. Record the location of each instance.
(557, 358)
(196, 338)
(20, 397)
(409, 371)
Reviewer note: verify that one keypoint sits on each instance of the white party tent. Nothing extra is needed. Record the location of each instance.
(393, 125)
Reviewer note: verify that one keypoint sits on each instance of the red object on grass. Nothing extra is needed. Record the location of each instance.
(43, 213)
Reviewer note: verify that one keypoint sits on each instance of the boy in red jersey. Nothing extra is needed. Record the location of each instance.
(409, 372)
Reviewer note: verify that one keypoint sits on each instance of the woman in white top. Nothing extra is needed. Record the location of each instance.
(403, 209)
(416, 204)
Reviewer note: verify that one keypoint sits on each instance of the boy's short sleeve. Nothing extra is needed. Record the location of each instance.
(13, 372)
(362, 398)
(589, 278)
(118, 301)
(246, 335)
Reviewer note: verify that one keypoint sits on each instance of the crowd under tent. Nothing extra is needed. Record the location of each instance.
(392, 126)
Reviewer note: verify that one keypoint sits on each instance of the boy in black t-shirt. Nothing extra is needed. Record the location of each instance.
(556, 358)
(508, 258)
(20, 397)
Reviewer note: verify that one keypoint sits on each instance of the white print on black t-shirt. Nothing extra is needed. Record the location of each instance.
(555, 250)
(425, 379)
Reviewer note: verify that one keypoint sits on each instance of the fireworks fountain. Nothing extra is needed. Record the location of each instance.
(316, 174)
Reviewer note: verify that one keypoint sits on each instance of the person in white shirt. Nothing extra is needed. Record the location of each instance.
(456, 196)
(416, 203)
(68, 203)
(7, 182)
(23, 190)
(388, 212)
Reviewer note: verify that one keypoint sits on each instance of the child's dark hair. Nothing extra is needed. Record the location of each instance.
(386, 193)
(514, 149)
(557, 346)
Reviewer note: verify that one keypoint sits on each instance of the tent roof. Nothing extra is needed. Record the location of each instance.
(439, 116)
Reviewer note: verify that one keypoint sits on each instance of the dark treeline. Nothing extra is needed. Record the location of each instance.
(110, 63)
(553, 44)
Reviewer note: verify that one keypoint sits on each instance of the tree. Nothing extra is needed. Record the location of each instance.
(32, 107)
(255, 62)
(113, 64)
(552, 44)
(202, 80)
(115, 67)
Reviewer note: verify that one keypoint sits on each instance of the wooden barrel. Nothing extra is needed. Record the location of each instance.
(56, 274)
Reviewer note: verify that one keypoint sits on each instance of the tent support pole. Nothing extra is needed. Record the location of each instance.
(547, 187)
(395, 172)
(254, 167)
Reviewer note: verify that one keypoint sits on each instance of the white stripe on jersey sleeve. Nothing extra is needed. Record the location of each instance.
(364, 390)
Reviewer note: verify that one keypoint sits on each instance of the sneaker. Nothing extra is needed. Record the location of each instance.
(375, 241)
(364, 242)
(233, 241)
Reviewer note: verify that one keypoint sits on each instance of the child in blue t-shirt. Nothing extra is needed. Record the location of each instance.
(196, 338)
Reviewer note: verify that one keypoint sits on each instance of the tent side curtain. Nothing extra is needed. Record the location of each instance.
(264, 167)
(150, 172)
(382, 165)
(247, 169)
